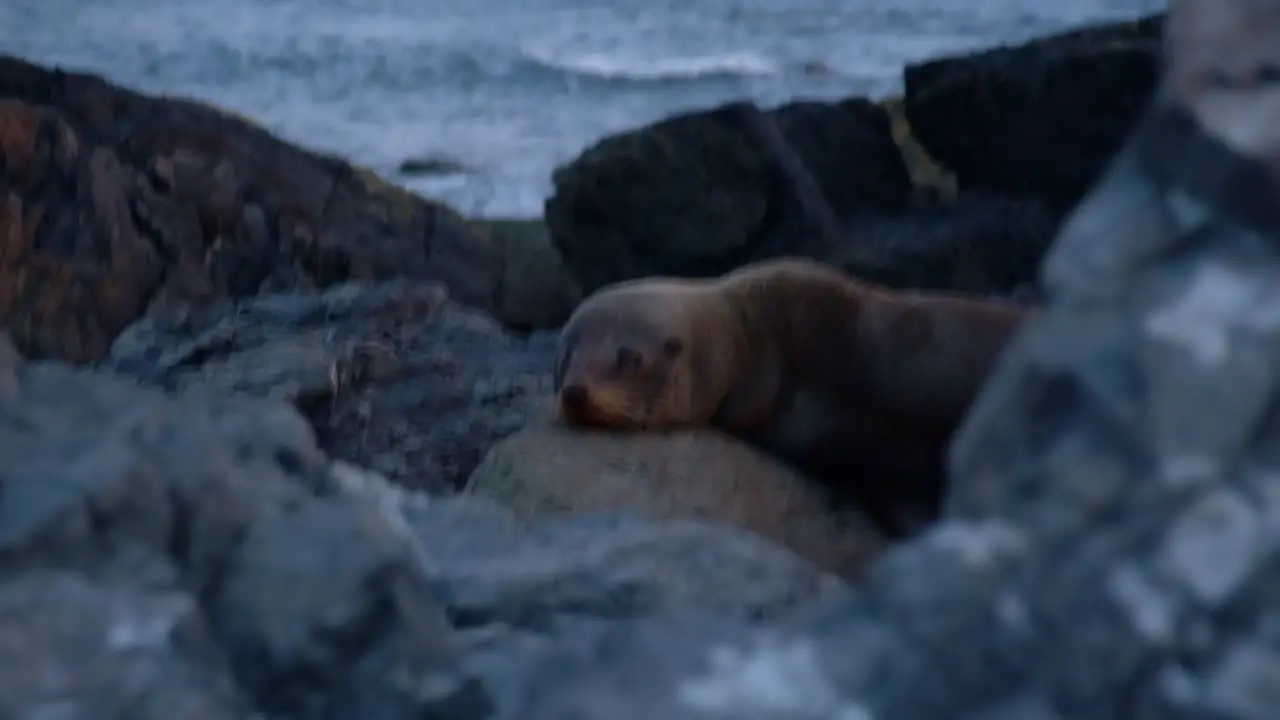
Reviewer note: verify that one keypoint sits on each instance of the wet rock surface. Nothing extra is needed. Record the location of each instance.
(231, 499)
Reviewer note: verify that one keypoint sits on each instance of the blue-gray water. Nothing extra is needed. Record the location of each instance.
(510, 88)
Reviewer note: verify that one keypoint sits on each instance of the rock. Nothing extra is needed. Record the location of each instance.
(547, 469)
(1038, 120)
(431, 165)
(513, 587)
(978, 245)
(1163, 320)
(537, 292)
(849, 150)
(112, 201)
(76, 648)
(515, 590)
(392, 376)
(702, 192)
(196, 557)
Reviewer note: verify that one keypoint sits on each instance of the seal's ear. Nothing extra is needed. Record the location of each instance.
(672, 347)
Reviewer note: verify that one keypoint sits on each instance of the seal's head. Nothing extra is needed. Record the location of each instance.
(627, 359)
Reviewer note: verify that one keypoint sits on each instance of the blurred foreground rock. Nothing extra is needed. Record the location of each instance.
(167, 557)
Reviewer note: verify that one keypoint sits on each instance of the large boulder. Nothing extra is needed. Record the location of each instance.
(169, 557)
(701, 192)
(548, 469)
(112, 202)
(1037, 120)
(393, 376)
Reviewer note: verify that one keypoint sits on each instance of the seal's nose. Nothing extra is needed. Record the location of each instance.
(573, 397)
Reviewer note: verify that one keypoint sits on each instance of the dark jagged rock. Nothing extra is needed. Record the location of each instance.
(700, 193)
(393, 376)
(1038, 120)
(190, 557)
(112, 201)
(979, 245)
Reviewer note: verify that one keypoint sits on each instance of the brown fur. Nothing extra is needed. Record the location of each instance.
(844, 378)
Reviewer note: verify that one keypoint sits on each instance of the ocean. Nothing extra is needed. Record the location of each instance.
(508, 89)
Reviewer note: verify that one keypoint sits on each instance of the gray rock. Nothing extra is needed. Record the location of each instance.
(612, 566)
(152, 548)
(515, 590)
(394, 377)
(74, 648)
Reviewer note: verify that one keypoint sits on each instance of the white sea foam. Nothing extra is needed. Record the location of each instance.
(610, 66)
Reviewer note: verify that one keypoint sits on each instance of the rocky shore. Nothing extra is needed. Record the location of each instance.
(275, 439)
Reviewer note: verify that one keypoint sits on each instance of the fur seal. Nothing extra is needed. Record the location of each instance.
(857, 384)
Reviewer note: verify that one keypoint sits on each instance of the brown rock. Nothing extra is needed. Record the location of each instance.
(74, 267)
(112, 201)
(548, 468)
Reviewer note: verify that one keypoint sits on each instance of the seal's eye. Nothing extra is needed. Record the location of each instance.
(627, 359)
(672, 347)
